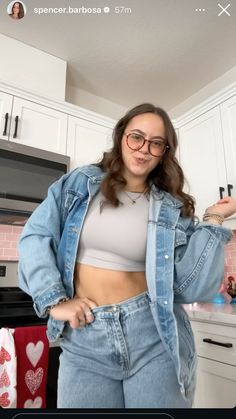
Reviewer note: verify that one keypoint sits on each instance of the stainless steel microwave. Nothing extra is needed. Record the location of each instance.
(25, 176)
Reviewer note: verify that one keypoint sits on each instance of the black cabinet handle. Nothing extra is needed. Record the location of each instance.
(221, 191)
(5, 126)
(229, 187)
(16, 126)
(214, 342)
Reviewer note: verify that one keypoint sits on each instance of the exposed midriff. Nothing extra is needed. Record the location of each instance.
(105, 286)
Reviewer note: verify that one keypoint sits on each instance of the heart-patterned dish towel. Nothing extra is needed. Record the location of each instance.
(7, 369)
(32, 365)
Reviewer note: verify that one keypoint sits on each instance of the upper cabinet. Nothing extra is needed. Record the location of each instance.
(207, 153)
(32, 124)
(202, 158)
(5, 114)
(59, 127)
(228, 115)
(86, 141)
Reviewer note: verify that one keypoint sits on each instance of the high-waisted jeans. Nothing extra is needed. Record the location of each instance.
(117, 361)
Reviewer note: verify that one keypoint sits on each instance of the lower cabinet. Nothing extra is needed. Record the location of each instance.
(216, 371)
(216, 384)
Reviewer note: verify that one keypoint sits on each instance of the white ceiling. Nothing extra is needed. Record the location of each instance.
(163, 51)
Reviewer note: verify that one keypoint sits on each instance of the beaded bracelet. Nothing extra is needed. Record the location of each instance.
(217, 217)
(63, 300)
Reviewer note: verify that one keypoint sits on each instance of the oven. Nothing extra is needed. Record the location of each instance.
(16, 310)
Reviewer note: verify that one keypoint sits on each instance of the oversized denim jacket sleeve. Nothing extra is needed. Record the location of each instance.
(38, 271)
(199, 261)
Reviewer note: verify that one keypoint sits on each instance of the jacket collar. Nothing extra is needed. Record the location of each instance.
(93, 172)
(96, 175)
(166, 196)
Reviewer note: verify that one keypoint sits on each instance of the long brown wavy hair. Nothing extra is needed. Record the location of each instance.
(21, 9)
(167, 175)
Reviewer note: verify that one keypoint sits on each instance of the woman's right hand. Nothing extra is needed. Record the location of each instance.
(77, 312)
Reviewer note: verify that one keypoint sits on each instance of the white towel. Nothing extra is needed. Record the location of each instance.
(7, 369)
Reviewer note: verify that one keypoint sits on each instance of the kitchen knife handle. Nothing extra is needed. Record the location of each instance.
(5, 125)
(16, 126)
(214, 342)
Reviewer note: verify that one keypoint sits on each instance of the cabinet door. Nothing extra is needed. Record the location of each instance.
(38, 126)
(228, 112)
(202, 159)
(216, 383)
(5, 115)
(86, 141)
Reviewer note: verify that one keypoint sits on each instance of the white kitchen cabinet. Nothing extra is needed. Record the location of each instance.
(216, 384)
(86, 141)
(6, 101)
(33, 124)
(228, 115)
(201, 154)
(207, 148)
(216, 369)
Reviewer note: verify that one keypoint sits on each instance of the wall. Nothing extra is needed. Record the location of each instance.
(94, 103)
(203, 94)
(28, 68)
(9, 236)
(44, 74)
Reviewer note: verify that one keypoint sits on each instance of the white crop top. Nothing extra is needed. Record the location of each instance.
(115, 238)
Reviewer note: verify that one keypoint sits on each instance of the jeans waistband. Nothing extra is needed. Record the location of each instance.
(123, 307)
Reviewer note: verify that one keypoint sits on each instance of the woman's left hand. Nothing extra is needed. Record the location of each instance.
(225, 206)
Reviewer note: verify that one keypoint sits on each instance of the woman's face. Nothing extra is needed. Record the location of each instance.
(140, 163)
(16, 9)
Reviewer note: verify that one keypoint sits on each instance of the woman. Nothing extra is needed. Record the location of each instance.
(17, 11)
(111, 254)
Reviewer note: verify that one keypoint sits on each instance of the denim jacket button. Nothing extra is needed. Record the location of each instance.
(165, 302)
(166, 257)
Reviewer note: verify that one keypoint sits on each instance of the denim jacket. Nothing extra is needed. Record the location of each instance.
(184, 261)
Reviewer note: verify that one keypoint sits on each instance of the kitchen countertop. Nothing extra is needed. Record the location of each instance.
(212, 313)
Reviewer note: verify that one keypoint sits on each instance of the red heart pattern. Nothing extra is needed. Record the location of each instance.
(4, 401)
(4, 379)
(34, 379)
(4, 356)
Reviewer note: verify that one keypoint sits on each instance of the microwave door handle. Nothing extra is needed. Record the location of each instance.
(16, 126)
(5, 125)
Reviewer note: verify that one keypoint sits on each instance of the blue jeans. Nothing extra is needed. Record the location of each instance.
(117, 361)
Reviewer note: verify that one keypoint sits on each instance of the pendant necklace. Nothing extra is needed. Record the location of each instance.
(133, 200)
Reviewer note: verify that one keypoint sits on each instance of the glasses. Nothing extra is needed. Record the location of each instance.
(156, 147)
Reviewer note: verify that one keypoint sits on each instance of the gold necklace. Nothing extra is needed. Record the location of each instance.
(133, 200)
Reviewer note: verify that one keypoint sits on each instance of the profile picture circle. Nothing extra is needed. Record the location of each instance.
(16, 10)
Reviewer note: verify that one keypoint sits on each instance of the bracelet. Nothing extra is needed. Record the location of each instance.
(63, 300)
(218, 217)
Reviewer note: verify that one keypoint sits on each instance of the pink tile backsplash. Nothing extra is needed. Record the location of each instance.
(9, 236)
(230, 257)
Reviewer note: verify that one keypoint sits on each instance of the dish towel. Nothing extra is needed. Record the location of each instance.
(7, 369)
(32, 348)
